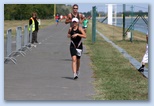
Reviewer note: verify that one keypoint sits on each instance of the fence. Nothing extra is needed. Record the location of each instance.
(22, 43)
(125, 17)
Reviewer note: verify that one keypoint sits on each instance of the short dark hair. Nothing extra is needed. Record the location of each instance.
(75, 5)
(34, 13)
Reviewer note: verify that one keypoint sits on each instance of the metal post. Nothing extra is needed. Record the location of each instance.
(30, 35)
(26, 37)
(94, 24)
(132, 28)
(9, 47)
(18, 41)
(54, 10)
(9, 41)
(30, 38)
(124, 9)
(18, 38)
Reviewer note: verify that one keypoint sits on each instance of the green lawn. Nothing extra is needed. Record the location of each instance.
(136, 48)
(14, 23)
(115, 77)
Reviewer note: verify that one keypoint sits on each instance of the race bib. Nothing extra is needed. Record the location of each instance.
(79, 52)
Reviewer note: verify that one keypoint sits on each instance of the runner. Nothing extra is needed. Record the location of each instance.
(74, 14)
(57, 19)
(76, 33)
(85, 24)
(61, 17)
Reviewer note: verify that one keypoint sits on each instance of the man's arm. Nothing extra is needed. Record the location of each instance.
(81, 18)
(69, 35)
(68, 19)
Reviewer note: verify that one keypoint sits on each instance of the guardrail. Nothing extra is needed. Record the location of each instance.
(23, 41)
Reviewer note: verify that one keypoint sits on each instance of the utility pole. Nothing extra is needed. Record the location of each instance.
(132, 28)
(124, 9)
(93, 24)
(54, 10)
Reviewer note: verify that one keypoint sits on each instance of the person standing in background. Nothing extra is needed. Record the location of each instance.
(34, 26)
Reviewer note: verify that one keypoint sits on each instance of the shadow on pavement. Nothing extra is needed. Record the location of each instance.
(66, 59)
(71, 78)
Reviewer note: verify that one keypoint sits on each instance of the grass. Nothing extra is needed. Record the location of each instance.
(9, 24)
(115, 77)
(136, 48)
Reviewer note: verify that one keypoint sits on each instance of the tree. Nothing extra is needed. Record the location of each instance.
(24, 11)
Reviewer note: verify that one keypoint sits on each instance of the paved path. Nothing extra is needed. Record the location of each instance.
(45, 72)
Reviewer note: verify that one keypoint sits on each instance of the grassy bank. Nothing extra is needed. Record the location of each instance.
(115, 77)
(136, 48)
(13, 24)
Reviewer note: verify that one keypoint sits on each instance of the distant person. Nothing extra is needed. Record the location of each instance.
(76, 33)
(85, 24)
(74, 14)
(34, 26)
(61, 17)
(145, 57)
(89, 17)
(57, 19)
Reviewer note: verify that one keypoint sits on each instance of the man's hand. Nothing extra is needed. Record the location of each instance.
(67, 21)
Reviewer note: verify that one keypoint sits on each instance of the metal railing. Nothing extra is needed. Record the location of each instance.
(22, 43)
(9, 52)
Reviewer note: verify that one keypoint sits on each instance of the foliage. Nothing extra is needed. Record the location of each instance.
(24, 11)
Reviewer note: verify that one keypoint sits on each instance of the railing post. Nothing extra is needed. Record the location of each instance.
(124, 9)
(9, 47)
(26, 38)
(26, 35)
(18, 41)
(94, 24)
(132, 28)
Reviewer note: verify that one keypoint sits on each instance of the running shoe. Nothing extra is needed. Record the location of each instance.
(75, 76)
(141, 69)
(78, 72)
(36, 41)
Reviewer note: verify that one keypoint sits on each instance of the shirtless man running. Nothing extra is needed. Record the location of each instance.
(74, 14)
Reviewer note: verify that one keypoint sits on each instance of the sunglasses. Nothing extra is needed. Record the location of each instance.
(74, 22)
(75, 8)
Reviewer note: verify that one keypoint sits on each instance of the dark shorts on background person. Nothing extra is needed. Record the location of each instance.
(84, 27)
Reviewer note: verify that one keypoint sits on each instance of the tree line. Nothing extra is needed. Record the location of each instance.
(24, 11)
(46, 11)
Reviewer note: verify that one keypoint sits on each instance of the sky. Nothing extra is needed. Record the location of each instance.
(85, 7)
